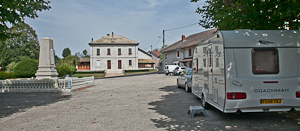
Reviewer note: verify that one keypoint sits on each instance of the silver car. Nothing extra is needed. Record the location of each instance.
(178, 70)
(185, 79)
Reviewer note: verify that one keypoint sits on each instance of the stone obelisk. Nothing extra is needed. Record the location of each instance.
(46, 60)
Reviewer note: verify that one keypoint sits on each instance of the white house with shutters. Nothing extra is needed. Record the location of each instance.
(114, 54)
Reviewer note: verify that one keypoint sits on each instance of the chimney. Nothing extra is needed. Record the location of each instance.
(112, 37)
(107, 34)
(183, 38)
(92, 40)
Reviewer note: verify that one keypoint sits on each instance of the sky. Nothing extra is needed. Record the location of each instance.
(73, 23)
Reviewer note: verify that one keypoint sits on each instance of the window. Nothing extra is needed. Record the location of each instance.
(129, 51)
(98, 63)
(209, 57)
(166, 56)
(98, 52)
(217, 62)
(265, 61)
(190, 52)
(119, 51)
(204, 50)
(204, 62)
(108, 51)
(216, 49)
(130, 63)
(177, 53)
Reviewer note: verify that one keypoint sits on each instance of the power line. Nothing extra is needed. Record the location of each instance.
(155, 44)
(171, 37)
(182, 27)
(158, 40)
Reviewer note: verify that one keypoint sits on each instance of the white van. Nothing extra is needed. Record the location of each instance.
(169, 69)
(248, 71)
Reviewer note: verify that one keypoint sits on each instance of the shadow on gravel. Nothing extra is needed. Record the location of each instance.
(19, 102)
(175, 105)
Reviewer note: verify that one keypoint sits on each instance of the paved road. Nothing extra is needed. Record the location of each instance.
(142, 102)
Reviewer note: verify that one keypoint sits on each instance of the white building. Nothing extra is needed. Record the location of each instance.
(114, 54)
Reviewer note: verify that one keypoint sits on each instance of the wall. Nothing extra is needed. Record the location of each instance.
(142, 55)
(172, 57)
(114, 57)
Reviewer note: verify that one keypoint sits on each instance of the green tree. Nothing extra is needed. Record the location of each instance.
(64, 69)
(5, 54)
(15, 11)
(24, 45)
(156, 49)
(84, 53)
(26, 68)
(250, 14)
(66, 52)
(10, 67)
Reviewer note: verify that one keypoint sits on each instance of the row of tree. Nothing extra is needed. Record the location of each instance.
(19, 54)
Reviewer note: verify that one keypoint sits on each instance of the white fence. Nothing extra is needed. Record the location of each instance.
(45, 85)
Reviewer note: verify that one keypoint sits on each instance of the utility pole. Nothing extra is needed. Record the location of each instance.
(151, 48)
(163, 39)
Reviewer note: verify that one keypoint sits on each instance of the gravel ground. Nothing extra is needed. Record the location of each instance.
(141, 102)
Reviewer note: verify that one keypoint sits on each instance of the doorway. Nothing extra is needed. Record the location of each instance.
(108, 64)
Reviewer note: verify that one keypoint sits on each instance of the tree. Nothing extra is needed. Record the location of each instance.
(250, 14)
(15, 11)
(78, 54)
(66, 52)
(24, 45)
(84, 52)
(156, 49)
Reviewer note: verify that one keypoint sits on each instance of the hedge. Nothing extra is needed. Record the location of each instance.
(26, 68)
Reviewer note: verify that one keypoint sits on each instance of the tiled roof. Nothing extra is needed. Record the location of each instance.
(156, 52)
(191, 40)
(145, 61)
(116, 39)
(84, 59)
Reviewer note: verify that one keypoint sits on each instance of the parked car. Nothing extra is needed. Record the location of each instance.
(169, 69)
(185, 79)
(178, 70)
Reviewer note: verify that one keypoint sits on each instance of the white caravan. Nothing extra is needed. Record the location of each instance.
(248, 71)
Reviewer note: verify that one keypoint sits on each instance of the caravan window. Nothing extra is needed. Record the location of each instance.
(265, 61)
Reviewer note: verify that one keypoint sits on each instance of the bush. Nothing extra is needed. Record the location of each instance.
(4, 75)
(10, 67)
(26, 68)
(65, 69)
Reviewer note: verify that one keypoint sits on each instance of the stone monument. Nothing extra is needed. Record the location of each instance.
(46, 60)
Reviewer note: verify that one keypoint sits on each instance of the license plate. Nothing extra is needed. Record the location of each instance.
(270, 101)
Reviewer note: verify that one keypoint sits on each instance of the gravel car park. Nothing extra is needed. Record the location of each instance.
(141, 102)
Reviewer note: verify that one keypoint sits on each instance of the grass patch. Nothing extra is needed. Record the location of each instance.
(144, 70)
(87, 74)
(132, 72)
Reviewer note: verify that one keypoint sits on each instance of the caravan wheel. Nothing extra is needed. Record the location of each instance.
(203, 102)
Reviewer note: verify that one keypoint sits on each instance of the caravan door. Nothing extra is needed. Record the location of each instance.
(209, 81)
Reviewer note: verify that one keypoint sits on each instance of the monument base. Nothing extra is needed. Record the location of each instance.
(50, 74)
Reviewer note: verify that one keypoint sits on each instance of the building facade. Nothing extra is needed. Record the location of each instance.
(113, 54)
(181, 52)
